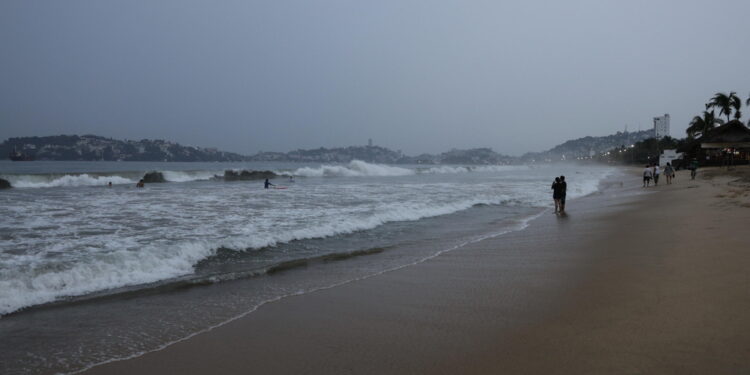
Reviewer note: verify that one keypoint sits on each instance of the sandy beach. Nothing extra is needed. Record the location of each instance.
(631, 281)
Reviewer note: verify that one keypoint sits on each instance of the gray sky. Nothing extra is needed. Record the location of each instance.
(421, 76)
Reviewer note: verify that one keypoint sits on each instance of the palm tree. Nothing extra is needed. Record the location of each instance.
(726, 103)
(699, 126)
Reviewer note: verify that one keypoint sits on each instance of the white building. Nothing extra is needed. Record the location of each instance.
(668, 156)
(661, 126)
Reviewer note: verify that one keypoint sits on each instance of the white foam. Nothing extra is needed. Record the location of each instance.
(43, 181)
(83, 245)
(444, 169)
(126, 263)
(355, 168)
(186, 176)
(41, 282)
(358, 168)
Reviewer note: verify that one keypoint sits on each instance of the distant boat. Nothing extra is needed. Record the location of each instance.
(19, 156)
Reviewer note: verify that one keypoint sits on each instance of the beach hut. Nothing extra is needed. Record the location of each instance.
(732, 138)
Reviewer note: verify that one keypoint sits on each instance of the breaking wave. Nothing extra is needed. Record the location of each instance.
(355, 168)
(358, 168)
(43, 181)
(39, 282)
(444, 169)
(98, 179)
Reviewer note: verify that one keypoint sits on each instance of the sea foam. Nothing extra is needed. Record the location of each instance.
(83, 241)
(45, 181)
(126, 263)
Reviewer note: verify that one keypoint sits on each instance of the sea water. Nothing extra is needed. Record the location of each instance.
(109, 272)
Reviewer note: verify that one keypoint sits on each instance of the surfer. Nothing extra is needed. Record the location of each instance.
(140, 184)
(267, 184)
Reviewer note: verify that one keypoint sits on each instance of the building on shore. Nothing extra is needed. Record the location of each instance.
(661, 126)
(669, 156)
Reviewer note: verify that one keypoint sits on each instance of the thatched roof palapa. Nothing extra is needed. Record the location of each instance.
(733, 134)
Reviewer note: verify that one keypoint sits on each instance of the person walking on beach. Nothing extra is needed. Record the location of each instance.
(563, 192)
(557, 193)
(647, 173)
(693, 168)
(656, 174)
(669, 173)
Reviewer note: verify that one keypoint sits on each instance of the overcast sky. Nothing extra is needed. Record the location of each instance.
(420, 76)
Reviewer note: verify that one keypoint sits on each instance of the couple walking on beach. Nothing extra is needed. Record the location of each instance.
(653, 172)
(649, 173)
(559, 189)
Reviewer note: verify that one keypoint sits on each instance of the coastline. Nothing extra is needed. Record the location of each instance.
(627, 282)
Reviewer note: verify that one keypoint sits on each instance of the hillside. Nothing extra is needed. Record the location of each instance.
(91, 147)
(586, 147)
(372, 154)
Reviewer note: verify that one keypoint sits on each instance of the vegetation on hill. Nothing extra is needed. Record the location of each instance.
(92, 147)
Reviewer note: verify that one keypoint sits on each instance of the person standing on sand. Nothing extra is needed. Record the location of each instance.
(669, 173)
(647, 175)
(556, 193)
(693, 168)
(656, 174)
(563, 192)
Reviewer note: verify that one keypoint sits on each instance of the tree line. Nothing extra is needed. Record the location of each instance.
(648, 150)
(727, 104)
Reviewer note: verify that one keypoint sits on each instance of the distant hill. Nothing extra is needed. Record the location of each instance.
(92, 147)
(372, 154)
(377, 154)
(587, 146)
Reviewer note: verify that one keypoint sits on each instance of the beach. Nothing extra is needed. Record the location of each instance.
(630, 281)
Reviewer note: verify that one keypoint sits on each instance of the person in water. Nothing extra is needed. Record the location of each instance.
(267, 184)
(140, 184)
(563, 192)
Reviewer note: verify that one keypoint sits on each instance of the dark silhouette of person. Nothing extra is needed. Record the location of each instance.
(267, 184)
(140, 184)
(563, 192)
(557, 193)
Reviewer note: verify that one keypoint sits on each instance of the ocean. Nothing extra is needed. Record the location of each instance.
(90, 273)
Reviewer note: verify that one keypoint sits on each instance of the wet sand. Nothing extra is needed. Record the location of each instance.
(626, 283)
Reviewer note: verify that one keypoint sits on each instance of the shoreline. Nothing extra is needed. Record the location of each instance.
(510, 297)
